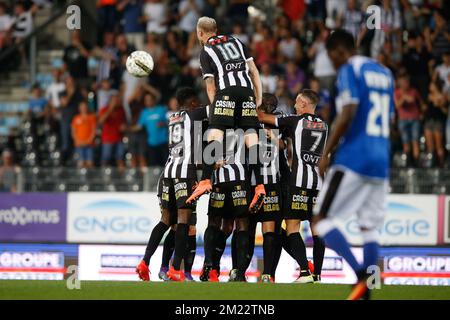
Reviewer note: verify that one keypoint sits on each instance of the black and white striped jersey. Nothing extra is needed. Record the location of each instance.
(185, 143)
(309, 135)
(270, 156)
(225, 59)
(233, 160)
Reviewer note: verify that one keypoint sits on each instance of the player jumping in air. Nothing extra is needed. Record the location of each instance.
(357, 182)
(308, 133)
(234, 89)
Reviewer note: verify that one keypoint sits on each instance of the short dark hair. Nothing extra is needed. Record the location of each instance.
(311, 95)
(184, 94)
(269, 102)
(340, 38)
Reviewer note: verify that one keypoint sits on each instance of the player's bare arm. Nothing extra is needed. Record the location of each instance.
(340, 128)
(210, 88)
(266, 118)
(256, 80)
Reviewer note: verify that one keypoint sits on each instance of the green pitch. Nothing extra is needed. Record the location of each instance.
(204, 291)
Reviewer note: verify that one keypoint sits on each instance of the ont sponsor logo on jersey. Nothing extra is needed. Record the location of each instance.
(234, 66)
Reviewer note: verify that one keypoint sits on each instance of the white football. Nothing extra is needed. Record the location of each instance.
(140, 64)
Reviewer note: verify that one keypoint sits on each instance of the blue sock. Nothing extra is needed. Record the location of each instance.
(370, 254)
(336, 241)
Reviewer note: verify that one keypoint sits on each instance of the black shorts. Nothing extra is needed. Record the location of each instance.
(174, 193)
(234, 107)
(168, 201)
(300, 203)
(271, 209)
(230, 200)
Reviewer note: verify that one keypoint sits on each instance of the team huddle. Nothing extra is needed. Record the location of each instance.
(259, 165)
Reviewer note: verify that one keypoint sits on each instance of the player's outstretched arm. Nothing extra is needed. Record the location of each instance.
(256, 80)
(266, 118)
(341, 125)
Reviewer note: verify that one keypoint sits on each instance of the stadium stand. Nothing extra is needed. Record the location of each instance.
(35, 120)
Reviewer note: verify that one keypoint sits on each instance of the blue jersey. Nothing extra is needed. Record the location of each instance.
(365, 148)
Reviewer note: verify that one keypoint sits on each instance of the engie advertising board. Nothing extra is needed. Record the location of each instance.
(37, 261)
(111, 217)
(447, 220)
(33, 217)
(117, 218)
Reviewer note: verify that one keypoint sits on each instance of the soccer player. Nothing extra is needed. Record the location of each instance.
(228, 206)
(168, 220)
(179, 177)
(234, 89)
(357, 182)
(308, 133)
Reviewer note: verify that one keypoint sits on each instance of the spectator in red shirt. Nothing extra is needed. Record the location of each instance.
(112, 120)
(408, 104)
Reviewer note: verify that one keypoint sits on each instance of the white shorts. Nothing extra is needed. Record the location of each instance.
(345, 193)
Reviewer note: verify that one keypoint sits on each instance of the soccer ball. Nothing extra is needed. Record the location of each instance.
(140, 64)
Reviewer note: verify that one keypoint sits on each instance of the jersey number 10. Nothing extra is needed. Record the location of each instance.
(380, 110)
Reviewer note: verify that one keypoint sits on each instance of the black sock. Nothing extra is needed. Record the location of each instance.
(221, 243)
(233, 250)
(318, 254)
(210, 244)
(298, 251)
(210, 149)
(269, 247)
(190, 253)
(181, 240)
(276, 254)
(242, 246)
(284, 241)
(251, 244)
(154, 241)
(168, 248)
(255, 164)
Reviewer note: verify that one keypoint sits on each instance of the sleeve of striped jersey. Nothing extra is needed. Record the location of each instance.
(347, 86)
(245, 51)
(284, 122)
(206, 65)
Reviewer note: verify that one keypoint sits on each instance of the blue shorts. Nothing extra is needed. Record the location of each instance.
(409, 130)
(112, 151)
(85, 153)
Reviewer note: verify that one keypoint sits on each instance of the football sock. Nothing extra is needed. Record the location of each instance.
(269, 251)
(190, 253)
(277, 254)
(168, 248)
(242, 244)
(318, 254)
(210, 244)
(298, 251)
(233, 250)
(181, 240)
(210, 149)
(336, 241)
(285, 243)
(255, 165)
(153, 242)
(370, 254)
(251, 244)
(221, 243)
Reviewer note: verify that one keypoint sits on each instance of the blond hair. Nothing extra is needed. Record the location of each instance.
(207, 24)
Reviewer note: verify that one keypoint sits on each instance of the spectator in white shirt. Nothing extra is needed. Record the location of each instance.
(155, 15)
(6, 22)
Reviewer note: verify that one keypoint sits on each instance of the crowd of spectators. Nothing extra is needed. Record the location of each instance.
(92, 91)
